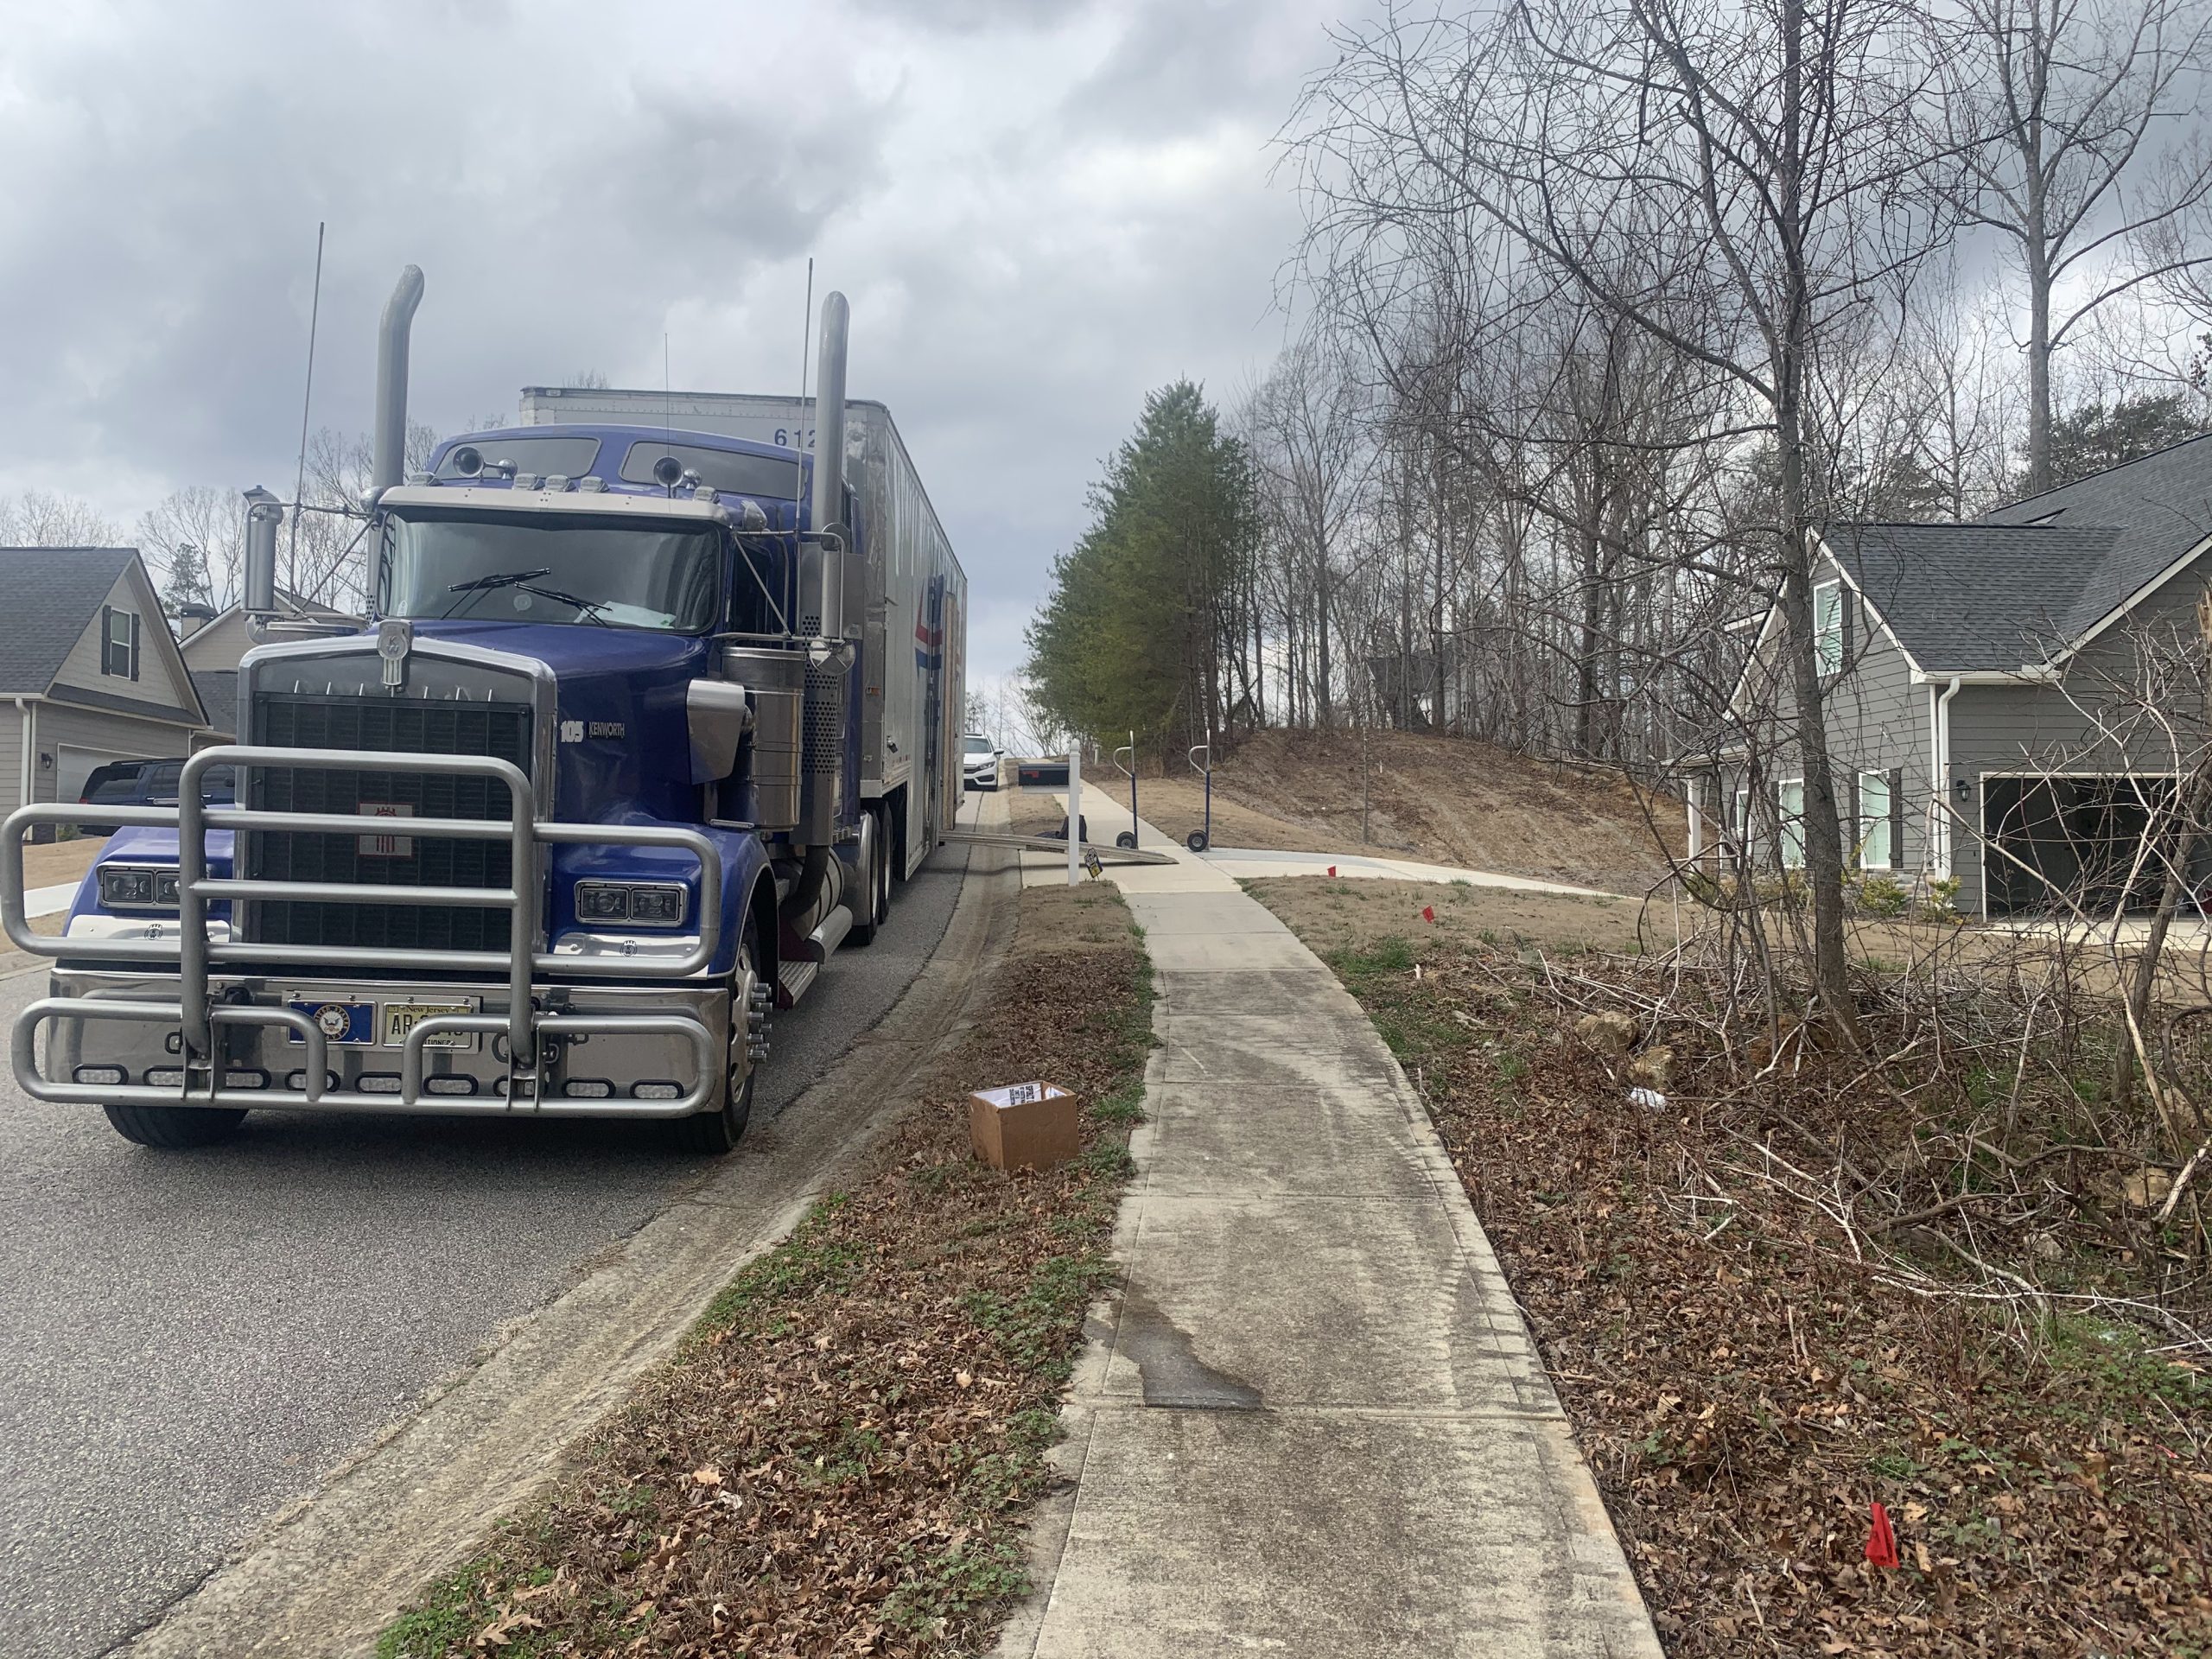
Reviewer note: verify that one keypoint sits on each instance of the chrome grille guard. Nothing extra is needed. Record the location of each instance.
(192, 954)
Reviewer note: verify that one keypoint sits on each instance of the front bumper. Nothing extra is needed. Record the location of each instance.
(604, 1051)
(237, 1011)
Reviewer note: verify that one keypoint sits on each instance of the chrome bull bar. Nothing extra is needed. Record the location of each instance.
(198, 1015)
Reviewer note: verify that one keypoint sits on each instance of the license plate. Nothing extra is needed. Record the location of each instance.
(400, 1018)
(339, 1023)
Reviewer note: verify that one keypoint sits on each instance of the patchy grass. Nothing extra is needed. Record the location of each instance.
(842, 1456)
(1744, 1389)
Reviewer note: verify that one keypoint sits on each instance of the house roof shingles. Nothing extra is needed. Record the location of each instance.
(2161, 506)
(1969, 598)
(52, 593)
(2024, 582)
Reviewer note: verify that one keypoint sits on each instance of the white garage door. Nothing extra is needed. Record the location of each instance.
(73, 766)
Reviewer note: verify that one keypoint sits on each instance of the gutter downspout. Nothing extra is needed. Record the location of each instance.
(26, 719)
(1944, 768)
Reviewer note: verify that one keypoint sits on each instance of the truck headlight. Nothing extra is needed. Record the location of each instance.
(646, 904)
(657, 906)
(138, 886)
(601, 901)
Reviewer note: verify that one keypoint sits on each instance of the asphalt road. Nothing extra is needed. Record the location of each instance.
(189, 1340)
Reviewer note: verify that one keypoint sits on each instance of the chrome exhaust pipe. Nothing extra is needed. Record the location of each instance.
(389, 464)
(828, 513)
(262, 514)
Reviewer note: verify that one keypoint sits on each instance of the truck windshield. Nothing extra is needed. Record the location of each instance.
(528, 568)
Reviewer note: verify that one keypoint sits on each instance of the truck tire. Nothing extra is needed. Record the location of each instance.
(872, 908)
(712, 1134)
(171, 1127)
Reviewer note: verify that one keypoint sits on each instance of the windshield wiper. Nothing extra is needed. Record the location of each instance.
(525, 581)
(590, 607)
(504, 579)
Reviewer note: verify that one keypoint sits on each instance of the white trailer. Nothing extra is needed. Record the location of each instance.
(914, 707)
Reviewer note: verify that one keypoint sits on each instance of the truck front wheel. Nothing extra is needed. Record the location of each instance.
(716, 1133)
(174, 1127)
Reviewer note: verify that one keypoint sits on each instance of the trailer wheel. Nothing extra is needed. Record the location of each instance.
(1127, 841)
(174, 1127)
(1196, 841)
(877, 877)
(713, 1133)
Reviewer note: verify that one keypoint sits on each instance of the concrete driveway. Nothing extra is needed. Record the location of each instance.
(190, 1341)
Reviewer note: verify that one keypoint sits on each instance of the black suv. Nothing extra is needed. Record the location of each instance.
(150, 783)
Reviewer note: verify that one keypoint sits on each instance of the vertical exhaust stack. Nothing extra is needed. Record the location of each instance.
(262, 514)
(391, 456)
(829, 467)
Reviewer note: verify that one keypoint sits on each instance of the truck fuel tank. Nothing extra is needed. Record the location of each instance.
(777, 682)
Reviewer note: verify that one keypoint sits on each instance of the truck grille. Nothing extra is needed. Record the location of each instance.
(399, 860)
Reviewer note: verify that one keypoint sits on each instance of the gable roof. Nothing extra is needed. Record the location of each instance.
(2160, 506)
(1963, 599)
(52, 593)
(286, 600)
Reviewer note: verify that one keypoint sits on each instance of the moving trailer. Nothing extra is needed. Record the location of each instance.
(911, 720)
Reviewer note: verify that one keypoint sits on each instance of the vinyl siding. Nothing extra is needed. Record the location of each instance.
(160, 677)
(125, 736)
(1877, 720)
(221, 644)
(11, 756)
(2001, 728)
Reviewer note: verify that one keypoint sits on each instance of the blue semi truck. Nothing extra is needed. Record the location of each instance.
(634, 741)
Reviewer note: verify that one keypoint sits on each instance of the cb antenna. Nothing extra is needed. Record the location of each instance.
(307, 402)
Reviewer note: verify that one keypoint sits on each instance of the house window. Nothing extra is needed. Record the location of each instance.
(1789, 800)
(118, 643)
(1877, 844)
(1827, 628)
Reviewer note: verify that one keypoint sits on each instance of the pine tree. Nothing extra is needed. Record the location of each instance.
(1130, 637)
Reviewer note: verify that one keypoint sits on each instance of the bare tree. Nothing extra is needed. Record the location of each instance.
(209, 522)
(2056, 107)
(1306, 430)
(38, 518)
(1733, 184)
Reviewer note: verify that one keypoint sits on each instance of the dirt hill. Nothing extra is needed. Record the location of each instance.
(1445, 800)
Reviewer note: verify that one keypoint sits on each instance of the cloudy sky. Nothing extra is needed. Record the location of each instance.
(1039, 208)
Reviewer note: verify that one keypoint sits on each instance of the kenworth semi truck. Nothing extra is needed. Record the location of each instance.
(649, 720)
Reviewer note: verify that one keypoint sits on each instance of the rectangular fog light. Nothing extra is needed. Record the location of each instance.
(656, 1091)
(246, 1080)
(450, 1085)
(104, 1074)
(166, 1076)
(377, 1083)
(297, 1081)
(587, 1089)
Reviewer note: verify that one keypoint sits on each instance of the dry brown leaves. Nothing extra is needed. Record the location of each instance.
(1744, 1391)
(842, 1459)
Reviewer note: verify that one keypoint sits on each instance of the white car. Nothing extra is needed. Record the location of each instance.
(979, 762)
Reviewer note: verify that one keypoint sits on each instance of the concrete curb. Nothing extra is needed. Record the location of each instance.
(328, 1575)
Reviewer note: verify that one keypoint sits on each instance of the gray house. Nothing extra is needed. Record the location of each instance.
(89, 671)
(2007, 703)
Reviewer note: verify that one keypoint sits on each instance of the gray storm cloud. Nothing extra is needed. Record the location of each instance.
(1040, 212)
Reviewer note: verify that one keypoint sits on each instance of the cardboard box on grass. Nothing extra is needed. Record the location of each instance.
(1025, 1125)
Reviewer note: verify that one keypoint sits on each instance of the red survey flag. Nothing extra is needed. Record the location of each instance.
(1882, 1540)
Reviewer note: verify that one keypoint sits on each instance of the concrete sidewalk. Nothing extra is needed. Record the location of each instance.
(1314, 1421)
